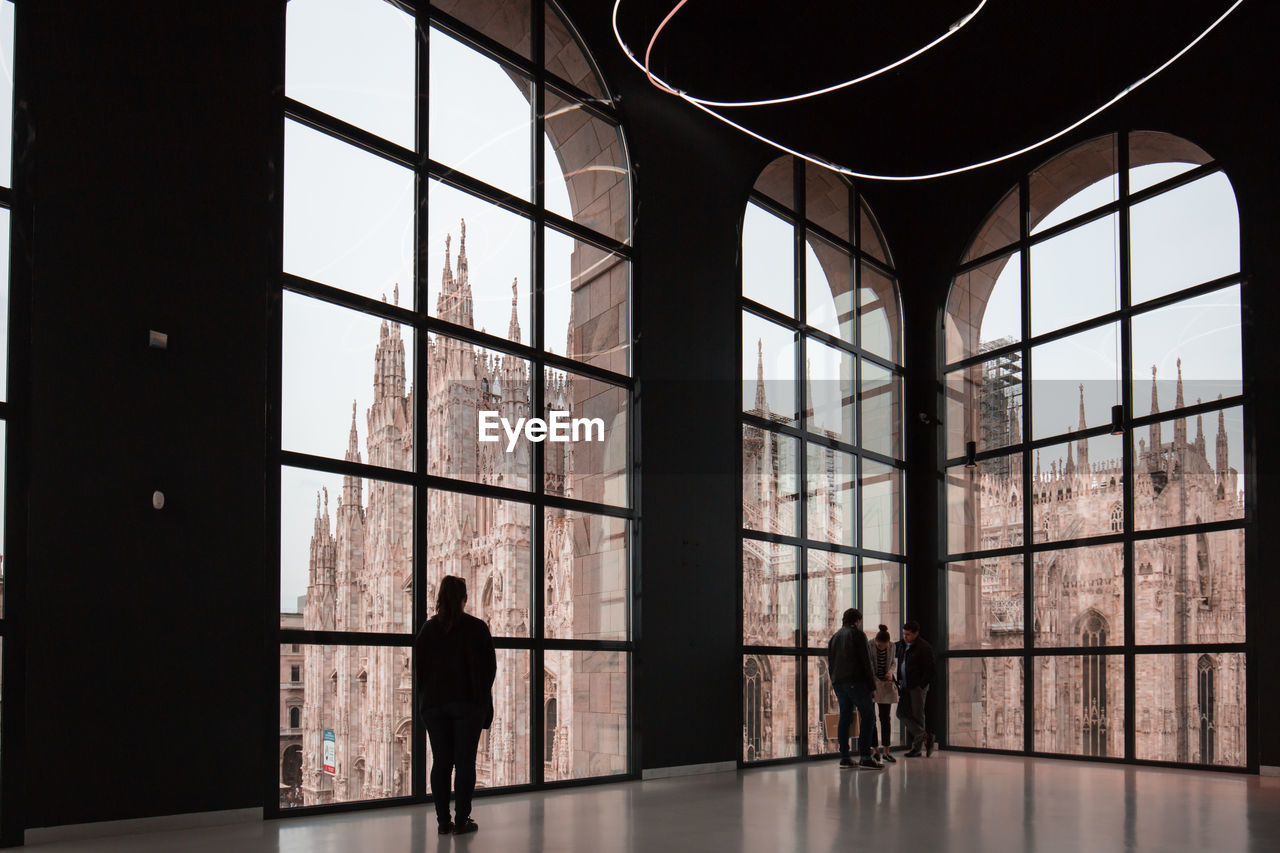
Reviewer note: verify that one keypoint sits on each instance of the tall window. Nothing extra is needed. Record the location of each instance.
(821, 446)
(6, 205)
(1092, 344)
(456, 262)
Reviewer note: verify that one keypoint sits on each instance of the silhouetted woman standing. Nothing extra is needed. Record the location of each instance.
(456, 665)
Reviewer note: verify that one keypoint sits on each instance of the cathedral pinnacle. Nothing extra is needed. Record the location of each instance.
(762, 404)
(513, 330)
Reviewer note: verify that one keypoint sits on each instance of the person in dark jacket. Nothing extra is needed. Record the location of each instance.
(456, 664)
(853, 680)
(916, 669)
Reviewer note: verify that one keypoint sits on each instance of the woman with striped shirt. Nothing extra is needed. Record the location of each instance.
(886, 687)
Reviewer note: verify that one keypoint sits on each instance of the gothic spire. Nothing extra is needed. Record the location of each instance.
(1221, 443)
(1200, 443)
(762, 404)
(1180, 425)
(1082, 446)
(1157, 443)
(1083, 424)
(513, 329)
(1015, 422)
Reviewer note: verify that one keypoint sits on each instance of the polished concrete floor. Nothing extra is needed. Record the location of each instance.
(951, 802)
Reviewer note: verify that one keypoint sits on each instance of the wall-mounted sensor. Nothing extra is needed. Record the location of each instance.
(157, 340)
(157, 499)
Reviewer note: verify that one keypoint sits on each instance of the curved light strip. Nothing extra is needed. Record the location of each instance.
(844, 170)
(667, 87)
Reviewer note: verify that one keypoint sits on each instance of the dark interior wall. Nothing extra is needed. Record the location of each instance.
(154, 134)
(151, 132)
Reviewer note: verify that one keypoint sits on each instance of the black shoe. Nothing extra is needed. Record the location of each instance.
(929, 745)
(446, 828)
(847, 764)
(464, 826)
(889, 758)
(871, 764)
(915, 753)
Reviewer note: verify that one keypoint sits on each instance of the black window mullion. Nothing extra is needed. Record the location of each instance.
(1028, 517)
(1127, 462)
(537, 664)
(802, 463)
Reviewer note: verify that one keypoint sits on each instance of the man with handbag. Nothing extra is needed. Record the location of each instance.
(853, 680)
(916, 669)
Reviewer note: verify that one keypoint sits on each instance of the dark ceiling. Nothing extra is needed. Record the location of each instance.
(1018, 72)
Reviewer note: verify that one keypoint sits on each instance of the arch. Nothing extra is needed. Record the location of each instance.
(295, 717)
(291, 766)
(1206, 702)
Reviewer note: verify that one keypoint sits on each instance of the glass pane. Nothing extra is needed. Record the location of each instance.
(778, 182)
(770, 481)
(564, 57)
(768, 369)
(355, 732)
(591, 713)
(878, 315)
(1079, 596)
(472, 391)
(355, 60)
(485, 542)
(881, 597)
(498, 299)
(826, 200)
(828, 273)
(1184, 237)
(1080, 705)
(830, 593)
(984, 602)
(1079, 494)
(1075, 381)
(769, 575)
(880, 406)
(1075, 276)
(999, 230)
(984, 308)
(587, 293)
(1156, 157)
(587, 568)
(585, 168)
(1181, 483)
(829, 497)
(984, 405)
(508, 22)
(881, 507)
(829, 382)
(870, 239)
(4, 303)
(1191, 708)
(1190, 589)
(349, 568)
(769, 728)
(503, 754)
(6, 97)
(768, 260)
(348, 216)
(984, 507)
(494, 144)
(1073, 183)
(329, 354)
(1191, 349)
(585, 452)
(822, 701)
(984, 707)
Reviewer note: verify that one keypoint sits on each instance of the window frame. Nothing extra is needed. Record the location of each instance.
(1128, 536)
(802, 653)
(419, 321)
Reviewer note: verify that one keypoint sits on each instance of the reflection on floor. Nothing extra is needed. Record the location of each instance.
(953, 802)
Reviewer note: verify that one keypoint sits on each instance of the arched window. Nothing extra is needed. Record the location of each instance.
(1092, 336)
(456, 241)
(295, 718)
(1206, 701)
(821, 437)
(552, 721)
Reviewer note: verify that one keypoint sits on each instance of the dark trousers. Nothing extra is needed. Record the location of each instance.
(850, 696)
(454, 731)
(886, 733)
(911, 711)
